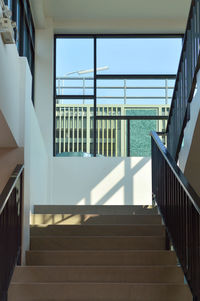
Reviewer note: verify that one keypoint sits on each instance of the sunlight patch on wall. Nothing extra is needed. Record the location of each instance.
(104, 188)
(113, 199)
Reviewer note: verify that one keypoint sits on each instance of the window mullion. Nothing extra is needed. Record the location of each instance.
(95, 94)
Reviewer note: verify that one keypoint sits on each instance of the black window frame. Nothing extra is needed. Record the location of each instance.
(105, 76)
(24, 33)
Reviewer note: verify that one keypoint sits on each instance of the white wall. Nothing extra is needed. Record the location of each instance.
(36, 158)
(11, 87)
(189, 159)
(83, 180)
(23, 129)
(190, 127)
(101, 181)
(44, 83)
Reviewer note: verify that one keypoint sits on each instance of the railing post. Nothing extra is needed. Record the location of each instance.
(167, 241)
(21, 179)
(166, 91)
(83, 89)
(125, 91)
(128, 138)
(4, 296)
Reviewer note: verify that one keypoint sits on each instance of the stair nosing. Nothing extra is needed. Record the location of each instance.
(99, 266)
(102, 250)
(104, 283)
(97, 236)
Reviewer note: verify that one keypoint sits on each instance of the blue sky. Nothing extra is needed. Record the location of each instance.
(122, 56)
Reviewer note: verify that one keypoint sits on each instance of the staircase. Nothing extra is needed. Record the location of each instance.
(110, 253)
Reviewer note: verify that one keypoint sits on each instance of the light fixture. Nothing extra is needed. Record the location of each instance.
(87, 71)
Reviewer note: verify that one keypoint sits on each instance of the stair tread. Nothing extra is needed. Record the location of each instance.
(102, 251)
(98, 225)
(101, 267)
(113, 257)
(97, 236)
(101, 283)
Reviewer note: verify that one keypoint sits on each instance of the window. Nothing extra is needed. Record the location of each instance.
(25, 31)
(111, 91)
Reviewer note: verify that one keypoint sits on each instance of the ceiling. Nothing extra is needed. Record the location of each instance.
(136, 16)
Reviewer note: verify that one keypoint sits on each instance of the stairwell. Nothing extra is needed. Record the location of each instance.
(102, 253)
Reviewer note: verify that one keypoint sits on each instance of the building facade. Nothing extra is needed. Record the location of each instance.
(74, 129)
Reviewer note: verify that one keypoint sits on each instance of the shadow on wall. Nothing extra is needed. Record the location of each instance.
(102, 181)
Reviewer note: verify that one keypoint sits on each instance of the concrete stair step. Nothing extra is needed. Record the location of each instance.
(101, 257)
(98, 292)
(95, 219)
(101, 230)
(96, 209)
(131, 274)
(97, 243)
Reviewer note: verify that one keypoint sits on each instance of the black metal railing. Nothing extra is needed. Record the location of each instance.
(156, 89)
(179, 206)
(10, 229)
(117, 96)
(185, 82)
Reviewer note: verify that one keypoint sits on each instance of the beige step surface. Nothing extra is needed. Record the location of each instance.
(95, 219)
(132, 274)
(98, 292)
(97, 243)
(79, 254)
(96, 209)
(101, 257)
(101, 230)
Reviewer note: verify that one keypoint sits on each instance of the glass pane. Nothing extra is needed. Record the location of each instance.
(74, 85)
(111, 138)
(140, 140)
(74, 66)
(74, 127)
(139, 56)
(25, 41)
(135, 92)
(18, 23)
(9, 3)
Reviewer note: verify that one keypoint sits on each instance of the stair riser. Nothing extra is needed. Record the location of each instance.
(100, 230)
(97, 243)
(68, 219)
(99, 292)
(98, 274)
(95, 209)
(100, 258)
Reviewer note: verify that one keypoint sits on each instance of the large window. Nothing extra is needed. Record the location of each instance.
(111, 91)
(25, 31)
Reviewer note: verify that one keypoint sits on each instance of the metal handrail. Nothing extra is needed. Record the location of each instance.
(193, 196)
(179, 206)
(4, 196)
(185, 85)
(10, 229)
